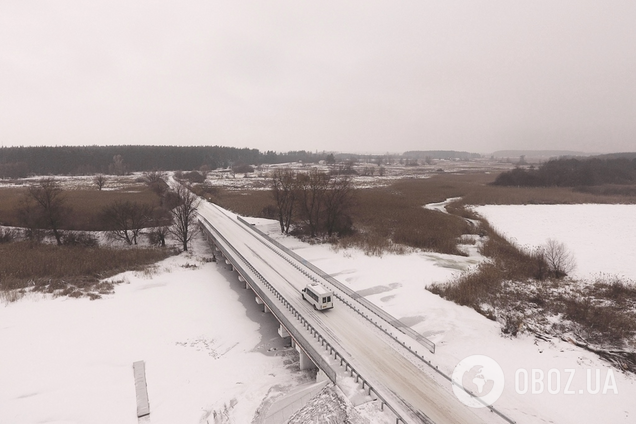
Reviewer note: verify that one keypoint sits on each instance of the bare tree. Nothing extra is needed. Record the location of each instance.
(157, 235)
(338, 198)
(312, 187)
(50, 205)
(184, 227)
(154, 176)
(100, 181)
(156, 180)
(560, 261)
(318, 200)
(117, 167)
(127, 219)
(160, 222)
(284, 192)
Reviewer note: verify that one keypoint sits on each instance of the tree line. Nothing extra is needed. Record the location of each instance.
(572, 173)
(18, 162)
(312, 203)
(44, 207)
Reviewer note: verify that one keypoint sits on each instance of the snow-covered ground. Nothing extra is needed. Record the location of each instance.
(397, 283)
(68, 360)
(207, 350)
(259, 179)
(80, 182)
(602, 238)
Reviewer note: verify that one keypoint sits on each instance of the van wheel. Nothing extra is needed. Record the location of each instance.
(315, 308)
(303, 296)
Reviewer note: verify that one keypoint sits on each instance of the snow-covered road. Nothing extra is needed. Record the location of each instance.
(373, 354)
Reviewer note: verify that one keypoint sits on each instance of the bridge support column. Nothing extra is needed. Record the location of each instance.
(283, 332)
(305, 362)
(260, 302)
(321, 376)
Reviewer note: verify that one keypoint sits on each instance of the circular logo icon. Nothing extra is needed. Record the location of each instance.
(478, 381)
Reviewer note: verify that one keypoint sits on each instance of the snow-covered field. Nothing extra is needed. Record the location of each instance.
(70, 360)
(207, 349)
(602, 238)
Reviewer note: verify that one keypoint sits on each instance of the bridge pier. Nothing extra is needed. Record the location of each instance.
(282, 332)
(260, 302)
(305, 362)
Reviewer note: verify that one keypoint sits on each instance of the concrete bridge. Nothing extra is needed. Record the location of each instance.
(355, 345)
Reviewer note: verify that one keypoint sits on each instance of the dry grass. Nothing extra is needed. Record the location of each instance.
(484, 285)
(68, 270)
(396, 214)
(86, 204)
(386, 217)
(242, 202)
(512, 289)
(9, 201)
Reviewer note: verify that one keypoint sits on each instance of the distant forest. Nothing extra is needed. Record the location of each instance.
(440, 154)
(572, 173)
(17, 162)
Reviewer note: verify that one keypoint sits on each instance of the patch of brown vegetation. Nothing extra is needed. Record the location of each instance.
(86, 204)
(66, 270)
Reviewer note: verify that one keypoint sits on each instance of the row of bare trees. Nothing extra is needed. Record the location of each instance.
(44, 207)
(176, 217)
(314, 203)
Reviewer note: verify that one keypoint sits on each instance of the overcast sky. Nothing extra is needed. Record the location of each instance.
(354, 76)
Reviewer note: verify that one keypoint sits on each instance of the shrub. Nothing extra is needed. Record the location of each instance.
(599, 324)
(157, 236)
(242, 169)
(193, 177)
(77, 238)
(559, 260)
(269, 212)
(7, 235)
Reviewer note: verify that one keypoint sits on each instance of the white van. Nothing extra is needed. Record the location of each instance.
(318, 296)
